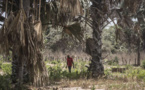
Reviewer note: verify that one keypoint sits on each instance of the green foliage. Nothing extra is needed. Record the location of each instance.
(143, 64)
(141, 75)
(107, 72)
(55, 62)
(1, 64)
(115, 61)
(111, 63)
(93, 88)
(129, 67)
(5, 82)
(7, 68)
(132, 73)
(60, 71)
(109, 41)
(57, 73)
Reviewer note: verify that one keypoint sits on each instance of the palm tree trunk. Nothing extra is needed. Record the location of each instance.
(143, 36)
(27, 57)
(138, 52)
(17, 63)
(96, 49)
(15, 67)
(36, 66)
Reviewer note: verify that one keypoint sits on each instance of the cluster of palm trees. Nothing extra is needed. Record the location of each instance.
(25, 20)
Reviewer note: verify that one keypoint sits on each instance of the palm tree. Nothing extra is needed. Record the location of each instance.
(22, 34)
(24, 37)
(123, 11)
(94, 45)
(130, 10)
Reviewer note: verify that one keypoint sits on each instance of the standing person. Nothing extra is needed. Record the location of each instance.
(69, 63)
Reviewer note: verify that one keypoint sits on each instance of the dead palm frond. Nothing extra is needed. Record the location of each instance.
(74, 30)
(131, 5)
(71, 7)
(61, 12)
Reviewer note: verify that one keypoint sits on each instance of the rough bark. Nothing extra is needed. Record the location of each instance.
(96, 67)
(36, 67)
(138, 52)
(94, 45)
(28, 65)
(143, 36)
(139, 36)
(14, 67)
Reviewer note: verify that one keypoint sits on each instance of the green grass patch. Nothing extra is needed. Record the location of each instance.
(6, 68)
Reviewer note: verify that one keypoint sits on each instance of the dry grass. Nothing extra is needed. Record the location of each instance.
(105, 84)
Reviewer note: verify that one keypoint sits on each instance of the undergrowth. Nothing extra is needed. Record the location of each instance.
(143, 64)
(5, 82)
(5, 79)
(60, 71)
(6, 68)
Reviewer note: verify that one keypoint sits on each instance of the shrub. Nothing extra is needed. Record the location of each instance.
(58, 72)
(110, 62)
(132, 72)
(93, 88)
(129, 67)
(143, 64)
(141, 75)
(115, 61)
(0, 64)
(55, 62)
(107, 72)
(5, 82)
(7, 68)
(55, 73)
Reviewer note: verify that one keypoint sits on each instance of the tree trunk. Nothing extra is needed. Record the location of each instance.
(15, 67)
(27, 58)
(140, 21)
(36, 67)
(138, 53)
(94, 46)
(143, 37)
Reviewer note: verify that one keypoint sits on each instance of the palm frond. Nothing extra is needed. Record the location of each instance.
(74, 30)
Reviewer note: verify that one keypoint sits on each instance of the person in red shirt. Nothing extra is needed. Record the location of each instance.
(69, 63)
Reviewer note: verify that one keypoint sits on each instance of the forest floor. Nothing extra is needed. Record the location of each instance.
(101, 84)
(131, 78)
(127, 77)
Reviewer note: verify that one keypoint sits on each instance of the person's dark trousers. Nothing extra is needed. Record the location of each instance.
(69, 68)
